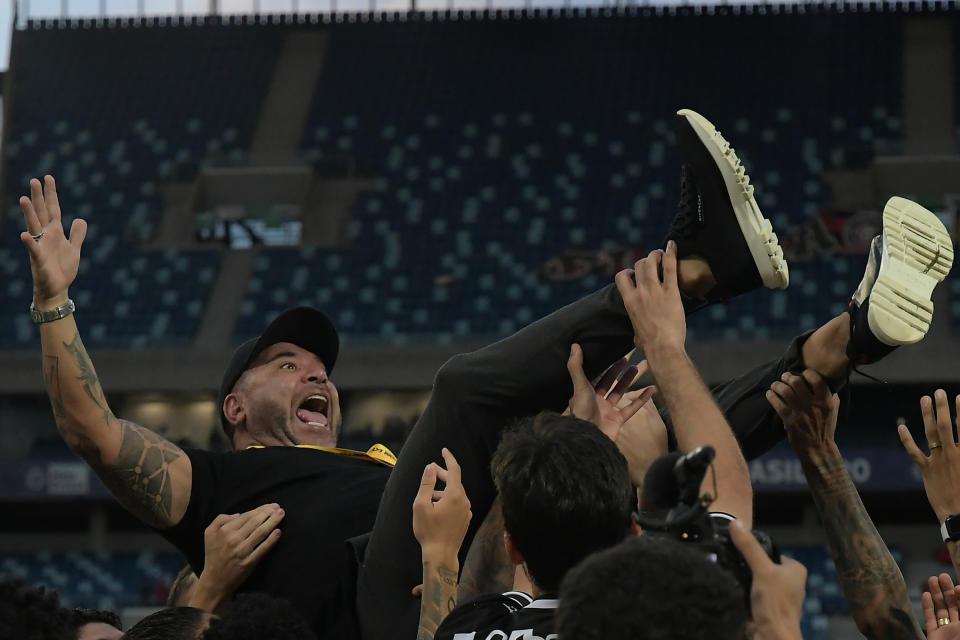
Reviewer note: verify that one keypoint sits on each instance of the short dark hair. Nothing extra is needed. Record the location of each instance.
(173, 623)
(253, 616)
(565, 490)
(31, 612)
(181, 587)
(650, 589)
(80, 617)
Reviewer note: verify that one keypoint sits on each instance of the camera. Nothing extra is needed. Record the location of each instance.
(673, 508)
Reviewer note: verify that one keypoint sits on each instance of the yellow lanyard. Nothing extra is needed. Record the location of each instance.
(377, 453)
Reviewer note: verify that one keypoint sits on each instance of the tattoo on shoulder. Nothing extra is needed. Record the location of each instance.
(140, 478)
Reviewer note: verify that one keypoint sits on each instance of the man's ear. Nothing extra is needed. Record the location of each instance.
(233, 410)
(635, 528)
(512, 552)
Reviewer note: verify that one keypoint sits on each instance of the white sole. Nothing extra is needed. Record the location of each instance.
(756, 230)
(917, 255)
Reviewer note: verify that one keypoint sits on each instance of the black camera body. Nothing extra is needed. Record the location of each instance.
(689, 521)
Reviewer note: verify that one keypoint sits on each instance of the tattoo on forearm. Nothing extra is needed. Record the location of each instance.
(439, 598)
(51, 380)
(139, 474)
(868, 574)
(487, 569)
(88, 375)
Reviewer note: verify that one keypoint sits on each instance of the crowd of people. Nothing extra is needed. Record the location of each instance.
(541, 494)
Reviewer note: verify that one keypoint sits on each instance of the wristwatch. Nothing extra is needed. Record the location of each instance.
(950, 529)
(57, 313)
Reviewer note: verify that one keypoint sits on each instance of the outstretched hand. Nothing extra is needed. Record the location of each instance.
(941, 469)
(654, 304)
(603, 403)
(441, 518)
(808, 409)
(54, 259)
(940, 612)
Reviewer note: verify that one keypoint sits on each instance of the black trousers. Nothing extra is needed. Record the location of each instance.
(476, 395)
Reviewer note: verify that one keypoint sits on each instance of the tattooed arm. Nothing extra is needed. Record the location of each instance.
(487, 568)
(150, 476)
(868, 574)
(440, 521)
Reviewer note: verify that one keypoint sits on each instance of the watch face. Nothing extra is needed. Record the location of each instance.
(953, 527)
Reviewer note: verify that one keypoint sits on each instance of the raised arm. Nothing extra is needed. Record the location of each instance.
(440, 520)
(150, 476)
(660, 330)
(941, 469)
(868, 574)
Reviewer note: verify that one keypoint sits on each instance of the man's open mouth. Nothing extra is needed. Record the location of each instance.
(313, 410)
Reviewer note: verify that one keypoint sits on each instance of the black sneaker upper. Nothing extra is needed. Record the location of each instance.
(706, 225)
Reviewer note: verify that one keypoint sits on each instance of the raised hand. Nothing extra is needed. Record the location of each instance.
(940, 612)
(441, 518)
(941, 469)
(54, 259)
(601, 403)
(654, 305)
(642, 439)
(233, 546)
(808, 409)
(440, 521)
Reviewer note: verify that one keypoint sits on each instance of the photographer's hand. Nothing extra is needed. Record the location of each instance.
(777, 590)
(868, 574)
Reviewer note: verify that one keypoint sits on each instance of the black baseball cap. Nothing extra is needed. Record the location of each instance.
(305, 327)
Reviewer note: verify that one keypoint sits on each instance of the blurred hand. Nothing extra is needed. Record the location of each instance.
(54, 260)
(808, 409)
(233, 546)
(941, 469)
(441, 518)
(654, 306)
(642, 439)
(602, 404)
(940, 613)
(777, 591)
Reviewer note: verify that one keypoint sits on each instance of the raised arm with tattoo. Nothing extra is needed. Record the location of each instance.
(941, 469)
(660, 330)
(440, 521)
(868, 574)
(150, 476)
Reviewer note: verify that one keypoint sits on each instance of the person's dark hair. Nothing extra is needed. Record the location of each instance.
(650, 589)
(80, 617)
(181, 586)
(175, 623)
(565, 490)
(253, 616)
(31, 612)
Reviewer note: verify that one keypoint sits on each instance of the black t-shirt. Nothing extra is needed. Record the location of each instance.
(327, 498)
(506, 616)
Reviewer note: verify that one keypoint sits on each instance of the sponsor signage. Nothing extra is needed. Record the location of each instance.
(872, 469)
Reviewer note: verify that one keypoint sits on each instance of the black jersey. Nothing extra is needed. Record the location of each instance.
(328, 499)
(507, 616)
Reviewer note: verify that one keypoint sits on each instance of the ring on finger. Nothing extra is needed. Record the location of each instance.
(935, 445)
(942, 622)
(39, 235)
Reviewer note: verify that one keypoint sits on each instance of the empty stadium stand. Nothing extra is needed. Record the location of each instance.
(495, 142)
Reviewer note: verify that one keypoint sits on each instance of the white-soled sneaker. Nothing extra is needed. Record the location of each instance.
(912, 255)
(718, 218)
